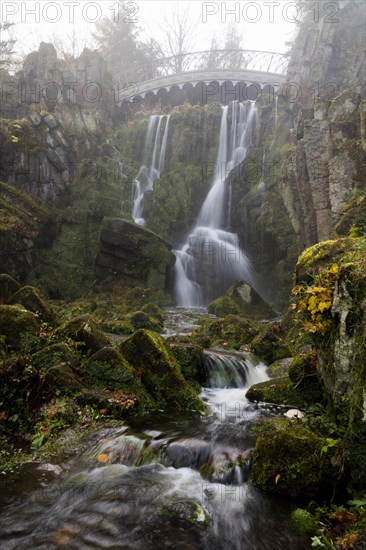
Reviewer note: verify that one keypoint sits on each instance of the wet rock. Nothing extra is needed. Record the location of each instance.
(17, 323)
(270, 345)
(35, 118)
(140, 319)
(83, 330)
(31, 299)
(134, 255)
(288, 461)
(241, 299)
(303, 374)
(278, 390)
(191, 361)
(159, 371)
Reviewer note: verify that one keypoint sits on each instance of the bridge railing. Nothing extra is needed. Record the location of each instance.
(250, 60)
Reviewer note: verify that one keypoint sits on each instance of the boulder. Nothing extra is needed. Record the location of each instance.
(133, 255)
(61, 377)
(241, 299)
(53, 355)
(288, 461)
(16, 323)
(159, 371)
(31, 298)
(108, 368)
(85, 331)
(191, 361)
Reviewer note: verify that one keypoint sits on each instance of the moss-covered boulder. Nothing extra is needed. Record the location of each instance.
(152, 310)
(232, 332)
(270, 345)
(53, 355)
(32, 299)
(159, 371)
(62, 378)
(140, 319)
(241, 299)
(288, 460)
(278, 390)
(134, 255)
(84, 331)
(8, 286)
(17, 324)
(191, 361)
(108, 368)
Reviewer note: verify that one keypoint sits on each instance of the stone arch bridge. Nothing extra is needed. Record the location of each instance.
(221, 75)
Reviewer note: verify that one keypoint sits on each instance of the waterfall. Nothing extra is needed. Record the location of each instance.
(211, 259)
(231, 370)
(153, 160)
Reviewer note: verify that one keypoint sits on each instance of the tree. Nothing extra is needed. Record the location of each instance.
(179, 33)
(227, 56)
(6, 46)
(119, 44)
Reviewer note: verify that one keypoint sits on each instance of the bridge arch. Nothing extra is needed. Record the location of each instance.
(235, 71)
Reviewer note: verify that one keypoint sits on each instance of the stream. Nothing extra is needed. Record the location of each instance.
(159, 481)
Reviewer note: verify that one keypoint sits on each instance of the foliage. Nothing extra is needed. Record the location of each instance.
(314, 302)
(6, 46)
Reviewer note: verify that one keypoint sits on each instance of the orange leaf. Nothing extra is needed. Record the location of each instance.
(103, 458)
(277, 478)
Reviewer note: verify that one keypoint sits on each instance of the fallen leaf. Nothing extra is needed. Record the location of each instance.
(277, 478)
(103, 458)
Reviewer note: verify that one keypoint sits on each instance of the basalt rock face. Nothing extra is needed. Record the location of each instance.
(51, 111)
(325, 154)
(133, 255)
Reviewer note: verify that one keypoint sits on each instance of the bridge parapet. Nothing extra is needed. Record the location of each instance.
(205, 66)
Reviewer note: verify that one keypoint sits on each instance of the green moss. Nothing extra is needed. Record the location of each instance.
(191, 361)
(231, 332)
(140, 319)
(8, 286)
(303, 374)
(17, 324)
(84, 331)
(270, 345)
(277, 390)
(159, 371)
(31, 299)
(53, 355)
(241, 299)
(288, 460)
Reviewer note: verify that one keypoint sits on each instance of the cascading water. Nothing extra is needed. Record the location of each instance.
(156, 139)
(211, 259)
(160, 483)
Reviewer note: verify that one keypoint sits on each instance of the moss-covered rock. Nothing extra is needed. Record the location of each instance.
(241, 299)
(62, 378)
(152, 310)
(279, 368)
(140, 319)
(17, 324)
(108, 368)
(191, 361)
(231, 332)
(269, 345)
(8, 286)
(278, 390)
(31, 299)
(303, 374)
(288, 460)
(159, 372)
(134, 255)
(84, 331)
(53, 355)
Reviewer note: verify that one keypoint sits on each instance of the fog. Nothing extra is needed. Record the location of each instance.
(262, 25)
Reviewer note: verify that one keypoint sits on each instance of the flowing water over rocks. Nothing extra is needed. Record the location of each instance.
(162, 481)
(156, 138)
(211, 259)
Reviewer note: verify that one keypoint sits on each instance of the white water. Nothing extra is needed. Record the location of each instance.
(153, 159)
(211, 259)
